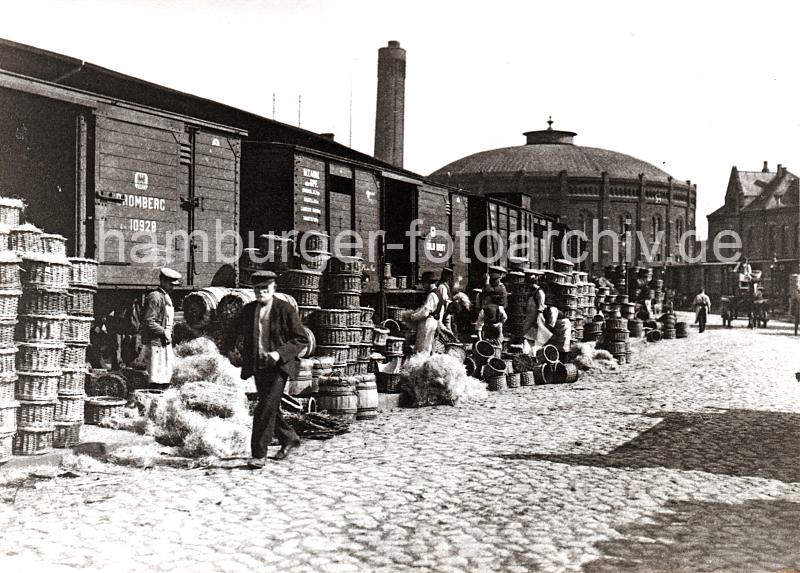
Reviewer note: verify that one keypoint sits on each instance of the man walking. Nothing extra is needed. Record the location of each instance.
(273, 338)
(702, 305)
(158, 318)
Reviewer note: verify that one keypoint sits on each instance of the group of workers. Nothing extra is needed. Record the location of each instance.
(543, 324)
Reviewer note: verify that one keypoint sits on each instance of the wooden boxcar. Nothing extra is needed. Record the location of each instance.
(134, 187)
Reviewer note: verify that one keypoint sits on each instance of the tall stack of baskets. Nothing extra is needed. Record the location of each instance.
(40, 341)
(616, 337)
(80, 316)
(10, 213)
(343, 314)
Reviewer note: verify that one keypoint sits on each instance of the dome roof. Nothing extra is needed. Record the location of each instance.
(548, 152)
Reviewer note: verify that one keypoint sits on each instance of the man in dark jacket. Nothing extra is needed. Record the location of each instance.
(273, 339)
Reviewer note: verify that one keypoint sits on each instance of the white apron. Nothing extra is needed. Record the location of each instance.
(160, 359)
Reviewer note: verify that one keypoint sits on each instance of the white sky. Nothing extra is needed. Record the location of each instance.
(692, 87)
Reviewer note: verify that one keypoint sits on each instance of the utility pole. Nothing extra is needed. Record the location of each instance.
(273, 106)
(299, 107)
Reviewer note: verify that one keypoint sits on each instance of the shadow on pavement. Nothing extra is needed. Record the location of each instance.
(740, 443)
(703, 536)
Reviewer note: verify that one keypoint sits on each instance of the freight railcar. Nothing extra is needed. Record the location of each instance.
(134, 187)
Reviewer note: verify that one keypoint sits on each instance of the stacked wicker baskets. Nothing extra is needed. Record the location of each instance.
(40, 337)
(9, 303)
(339, 323)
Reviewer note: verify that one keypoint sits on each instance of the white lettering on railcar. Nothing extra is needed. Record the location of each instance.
(308, 191)
(142, 225)
(145, 203)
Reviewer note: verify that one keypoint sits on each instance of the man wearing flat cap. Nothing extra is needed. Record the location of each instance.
(274, 337)
(158, 318)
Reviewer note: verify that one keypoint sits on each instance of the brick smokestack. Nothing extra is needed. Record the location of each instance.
(390, 109)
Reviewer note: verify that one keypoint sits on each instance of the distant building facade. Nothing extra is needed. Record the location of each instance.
(552, 175)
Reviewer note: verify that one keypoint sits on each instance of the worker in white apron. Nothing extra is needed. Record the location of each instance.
(158, 320)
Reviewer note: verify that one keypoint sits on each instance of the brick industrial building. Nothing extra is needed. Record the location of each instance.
(579, 184)
(762, 207)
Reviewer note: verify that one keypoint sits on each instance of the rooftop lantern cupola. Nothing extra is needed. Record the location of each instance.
(549, 135)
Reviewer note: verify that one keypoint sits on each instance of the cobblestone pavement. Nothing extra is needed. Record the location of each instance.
(686, 460)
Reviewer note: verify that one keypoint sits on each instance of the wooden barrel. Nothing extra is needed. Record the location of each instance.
(547, 354)
(337, 396)
(199, 307)
(543, 373)
(312, 344)
(229, 309)
(367, 392)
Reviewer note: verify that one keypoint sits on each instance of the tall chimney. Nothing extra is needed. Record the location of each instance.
(766, 168)
(390, 109)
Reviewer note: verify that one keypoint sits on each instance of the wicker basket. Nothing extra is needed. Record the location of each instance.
(9, 270)
(84, 272)
(8, 358)
(8, 416)
(347, 265)
(67, 434)
(11, 211)
(36, 357)
(6, 446)
(25, 239)
(70, 409)
(9, 303)
(43, 301)
(80, 301)
(33, 441)
(338, 352)
(314, 260)
(72, 382)
(526, 378)
(37, 385)
(8, 386)
(366, 315)
(74, 355)
(45, 270)
(395, 313)
(41, 328)
(401, 282)
(497, 383)
(4, 238)
(344, 299)
(304, 297)
(333, 335)
(353, 317)
(343, 283)
(354, 335)
(78, 329)
(364, 350)
(53, 244)
(394, 345)
(300, 279)
(366, 334)
(331, 317)
(99, 407)
(379, 336)
(513, 380)
(8, 329)
(388, 382)
(308, 314)
(352, 352)
(36, 413)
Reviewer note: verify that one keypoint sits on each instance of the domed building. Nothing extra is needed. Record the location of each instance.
(552, 175)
